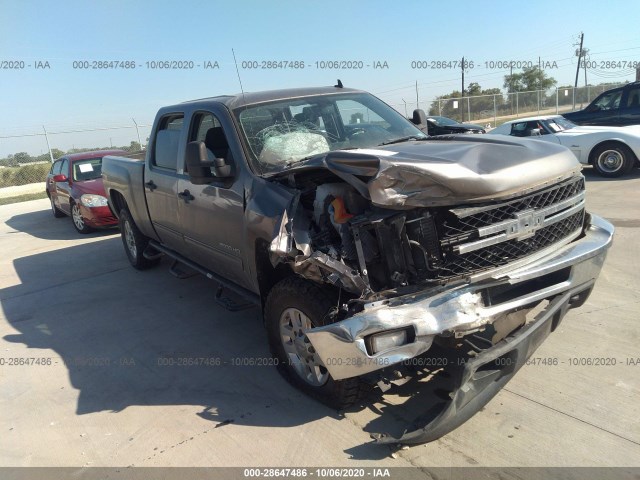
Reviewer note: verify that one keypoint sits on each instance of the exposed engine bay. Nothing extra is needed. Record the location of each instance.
(337, 236)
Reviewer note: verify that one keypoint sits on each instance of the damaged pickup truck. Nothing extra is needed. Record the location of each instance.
(366, 244)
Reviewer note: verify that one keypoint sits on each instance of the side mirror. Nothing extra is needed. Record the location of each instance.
(199, 166)
(419, 117)
(60, 178)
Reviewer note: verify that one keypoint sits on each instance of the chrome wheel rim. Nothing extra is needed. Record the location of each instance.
(130, 240)
(301, 354)
(77, 217)
(610, 161)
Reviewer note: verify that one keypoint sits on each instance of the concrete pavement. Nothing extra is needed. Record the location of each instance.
(115, 367)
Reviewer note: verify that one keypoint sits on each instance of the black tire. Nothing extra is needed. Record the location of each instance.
(78, 221)
(55, 210)
(612, 160)
(134, 242)
(315, 302)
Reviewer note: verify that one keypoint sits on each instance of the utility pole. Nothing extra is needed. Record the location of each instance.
(577, 70)
(462, 96)
(417, 101)
(511, 86)
(585, 52)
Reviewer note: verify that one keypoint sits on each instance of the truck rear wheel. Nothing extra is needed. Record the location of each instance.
(134, 242)
(293, 306)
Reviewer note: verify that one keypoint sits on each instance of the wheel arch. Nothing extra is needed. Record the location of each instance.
(611, 142)
(117, 202)
(267, 275)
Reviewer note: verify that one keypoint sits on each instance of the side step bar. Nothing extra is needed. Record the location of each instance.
(251, 297)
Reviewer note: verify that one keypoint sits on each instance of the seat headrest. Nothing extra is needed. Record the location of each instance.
(215, 139)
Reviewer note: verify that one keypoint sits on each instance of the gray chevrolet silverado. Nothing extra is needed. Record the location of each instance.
(374, 252)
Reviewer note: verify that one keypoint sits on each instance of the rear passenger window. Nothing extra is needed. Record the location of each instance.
(165, 150)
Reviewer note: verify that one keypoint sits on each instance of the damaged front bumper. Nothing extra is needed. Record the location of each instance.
(573, 268)
(564, 278)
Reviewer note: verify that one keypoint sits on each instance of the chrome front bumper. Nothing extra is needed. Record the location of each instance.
(457, 311)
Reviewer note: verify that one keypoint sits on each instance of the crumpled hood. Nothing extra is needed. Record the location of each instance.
(449, 171)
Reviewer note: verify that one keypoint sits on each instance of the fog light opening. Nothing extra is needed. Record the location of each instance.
(382, 342)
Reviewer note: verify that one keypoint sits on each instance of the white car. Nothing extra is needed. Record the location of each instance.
(613, 151)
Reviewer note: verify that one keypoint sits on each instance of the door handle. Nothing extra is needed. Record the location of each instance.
(186, 196)
(150, 185)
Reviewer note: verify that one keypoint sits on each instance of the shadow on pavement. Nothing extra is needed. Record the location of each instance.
(132, 338)
(42, 224)
(591, 175)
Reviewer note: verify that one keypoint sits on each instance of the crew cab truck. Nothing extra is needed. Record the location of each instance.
(366, 244)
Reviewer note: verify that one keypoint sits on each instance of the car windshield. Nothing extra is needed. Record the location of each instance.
(560, 124)
(282, 133)
(441, 121)
(87, 169)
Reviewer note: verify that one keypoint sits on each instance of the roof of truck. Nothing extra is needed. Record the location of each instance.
(251, 98)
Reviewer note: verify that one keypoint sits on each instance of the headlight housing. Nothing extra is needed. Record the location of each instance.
(90, 200)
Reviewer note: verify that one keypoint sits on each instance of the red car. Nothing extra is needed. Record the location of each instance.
(74, 187)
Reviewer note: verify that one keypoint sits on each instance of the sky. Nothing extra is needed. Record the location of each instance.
(65, 36)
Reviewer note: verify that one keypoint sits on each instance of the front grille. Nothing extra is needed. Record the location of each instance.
(508, 251)
(461, 224)
(458, 229)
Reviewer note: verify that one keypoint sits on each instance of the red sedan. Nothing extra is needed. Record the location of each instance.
(74, 187)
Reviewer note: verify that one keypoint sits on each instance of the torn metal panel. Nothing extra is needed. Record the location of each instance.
(320, 267)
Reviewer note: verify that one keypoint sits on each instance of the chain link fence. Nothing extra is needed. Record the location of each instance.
(22, 174)
(498, 108)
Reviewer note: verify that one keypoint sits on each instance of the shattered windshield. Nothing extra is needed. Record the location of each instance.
(282, 133)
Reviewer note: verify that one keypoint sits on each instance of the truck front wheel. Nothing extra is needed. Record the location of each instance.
(134, 242)
(293, 306)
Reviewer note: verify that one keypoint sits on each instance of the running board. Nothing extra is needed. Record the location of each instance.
(251, 297)
(182, 271)
(151, 253)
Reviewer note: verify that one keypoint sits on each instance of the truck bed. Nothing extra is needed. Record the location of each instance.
(124, 178)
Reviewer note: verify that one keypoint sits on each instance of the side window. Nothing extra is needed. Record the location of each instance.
(165, 148)
(608, 101)
(55, 169)
(633, 101)
(518, 129)
(206, 128)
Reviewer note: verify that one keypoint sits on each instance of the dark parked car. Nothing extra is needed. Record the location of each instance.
(437, 125)
(74, 187)
(616, 107)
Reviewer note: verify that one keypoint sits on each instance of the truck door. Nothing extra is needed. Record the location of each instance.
(161, 181)
(212, 215)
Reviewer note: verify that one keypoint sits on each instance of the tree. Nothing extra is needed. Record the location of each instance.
(529, 79)
(22, 157)
(480, 103)
(56, 153)
(357, 117)
(134, 147)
